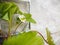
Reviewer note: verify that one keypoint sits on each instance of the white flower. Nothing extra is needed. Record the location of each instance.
(22, 18)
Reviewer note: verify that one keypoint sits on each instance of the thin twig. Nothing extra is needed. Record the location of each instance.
(17, 27)
(43, 37)
(24, 27)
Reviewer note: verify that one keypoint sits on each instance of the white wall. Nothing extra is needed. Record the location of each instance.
(47, 14)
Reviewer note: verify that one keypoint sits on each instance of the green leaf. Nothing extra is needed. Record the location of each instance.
(12, 11)
(5, 7)
(31, 20)
(1, 6)
(26, 38)
(6, 17)
(8, 7)
(27, 15)
(19, 11)
(49, 38)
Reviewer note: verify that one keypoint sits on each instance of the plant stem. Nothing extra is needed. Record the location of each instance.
(43, 37)
(10, 25)
(9, 29)
(17, 27)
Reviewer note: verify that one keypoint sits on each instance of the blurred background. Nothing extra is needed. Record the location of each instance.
(47, 14)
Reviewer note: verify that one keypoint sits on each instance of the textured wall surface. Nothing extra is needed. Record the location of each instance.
(47, 14)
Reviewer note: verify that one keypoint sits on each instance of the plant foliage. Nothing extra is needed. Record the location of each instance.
(8, 9)
(25, 38)
(49, 37)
